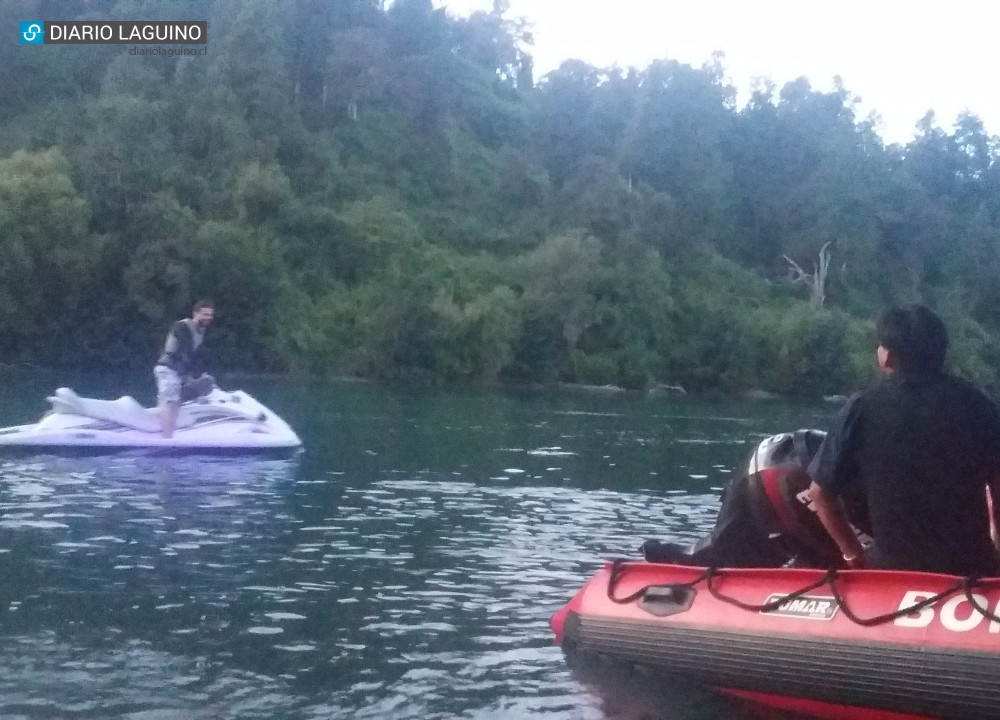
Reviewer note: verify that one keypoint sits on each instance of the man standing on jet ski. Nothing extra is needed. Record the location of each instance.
(180, 366)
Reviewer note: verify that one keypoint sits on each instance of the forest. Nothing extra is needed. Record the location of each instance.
(383, 190)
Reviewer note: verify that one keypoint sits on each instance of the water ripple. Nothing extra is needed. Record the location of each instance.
(411, 578)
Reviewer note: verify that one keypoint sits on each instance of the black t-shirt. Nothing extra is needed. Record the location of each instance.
(917, 450)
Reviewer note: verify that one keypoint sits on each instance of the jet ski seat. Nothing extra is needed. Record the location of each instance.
(124, 411)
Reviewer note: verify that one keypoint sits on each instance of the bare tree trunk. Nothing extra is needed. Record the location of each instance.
(816, 280)
(819, 276)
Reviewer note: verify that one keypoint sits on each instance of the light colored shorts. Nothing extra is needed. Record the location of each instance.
(168, 385)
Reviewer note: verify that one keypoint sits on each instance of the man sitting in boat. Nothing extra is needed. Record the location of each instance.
(179, 371)
(767, 518)
(922, 450)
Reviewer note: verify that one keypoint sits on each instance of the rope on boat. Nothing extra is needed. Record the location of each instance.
(966, 586)
(774, 604)
(618, 569)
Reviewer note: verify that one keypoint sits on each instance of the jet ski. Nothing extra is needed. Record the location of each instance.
(218, 420)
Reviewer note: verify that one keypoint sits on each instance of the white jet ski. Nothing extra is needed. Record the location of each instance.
(219, 420)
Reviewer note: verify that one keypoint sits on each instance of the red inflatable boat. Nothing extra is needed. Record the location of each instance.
(845, 645)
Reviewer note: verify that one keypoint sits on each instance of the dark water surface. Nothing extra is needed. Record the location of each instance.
(405, 565)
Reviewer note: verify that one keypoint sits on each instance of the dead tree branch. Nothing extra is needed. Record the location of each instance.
(816, 280)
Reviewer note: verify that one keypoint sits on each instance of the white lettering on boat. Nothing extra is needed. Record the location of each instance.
(950, 616)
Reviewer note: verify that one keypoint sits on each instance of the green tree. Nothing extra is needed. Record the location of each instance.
(45, 258)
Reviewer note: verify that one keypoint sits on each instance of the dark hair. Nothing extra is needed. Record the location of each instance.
(915, 335)
(203, 304)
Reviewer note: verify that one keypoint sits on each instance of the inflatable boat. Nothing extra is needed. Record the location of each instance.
(841, 645)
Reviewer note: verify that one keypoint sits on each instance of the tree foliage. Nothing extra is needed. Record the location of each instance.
(385, 190)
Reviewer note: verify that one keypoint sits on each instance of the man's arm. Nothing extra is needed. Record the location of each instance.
(990, 442)
(832, 470)
(831, 514)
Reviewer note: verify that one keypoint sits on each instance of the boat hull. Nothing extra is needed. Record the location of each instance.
(809, 655)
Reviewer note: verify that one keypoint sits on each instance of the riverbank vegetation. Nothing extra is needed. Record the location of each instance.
(391, 192)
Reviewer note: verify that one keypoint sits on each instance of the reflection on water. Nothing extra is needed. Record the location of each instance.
(405, 566)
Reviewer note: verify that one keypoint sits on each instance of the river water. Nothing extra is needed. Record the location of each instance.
(404, 565)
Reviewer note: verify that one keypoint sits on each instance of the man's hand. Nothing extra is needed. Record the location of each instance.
(855, 562)
(831, 514)
(993, 503)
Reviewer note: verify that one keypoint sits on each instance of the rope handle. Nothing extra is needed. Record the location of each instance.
(618, 569)
(965, 585)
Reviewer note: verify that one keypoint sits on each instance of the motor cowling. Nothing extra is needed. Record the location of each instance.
(777, 494)
(766, 518)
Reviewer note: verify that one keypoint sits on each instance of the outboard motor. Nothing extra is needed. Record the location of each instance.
(766, 519)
